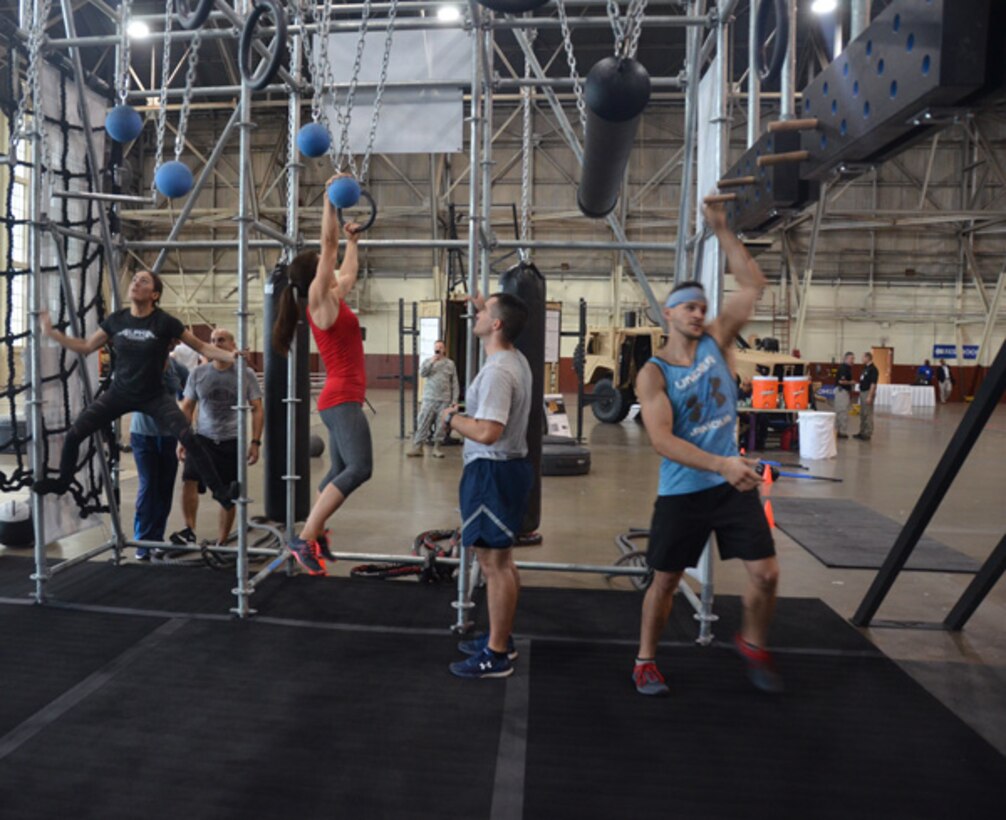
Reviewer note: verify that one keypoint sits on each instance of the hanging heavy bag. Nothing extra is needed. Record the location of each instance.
(616, 92)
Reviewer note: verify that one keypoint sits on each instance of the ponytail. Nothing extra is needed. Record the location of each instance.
(299, 273)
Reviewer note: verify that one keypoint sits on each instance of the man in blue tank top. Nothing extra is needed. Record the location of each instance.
(688, 396)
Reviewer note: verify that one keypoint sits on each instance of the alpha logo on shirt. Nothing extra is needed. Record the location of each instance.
(135, 334)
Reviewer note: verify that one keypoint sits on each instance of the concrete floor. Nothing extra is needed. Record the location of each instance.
(581, 516)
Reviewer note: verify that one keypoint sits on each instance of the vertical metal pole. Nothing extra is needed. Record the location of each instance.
(754, 82)
(31, 20)
(92, 153)
(473, 185)
(292, 400)
(401, 369)
(859, 15)
(242, 591)
(487, 162)
(694, 45)
(582, 374)
(808, 275)
(415, 361)
(787, 81)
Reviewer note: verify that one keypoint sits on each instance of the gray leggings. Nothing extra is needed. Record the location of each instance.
(349, 447)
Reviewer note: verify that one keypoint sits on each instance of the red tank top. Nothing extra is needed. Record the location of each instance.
(341, 349)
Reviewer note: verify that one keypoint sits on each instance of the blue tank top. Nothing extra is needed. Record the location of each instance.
(703, 397)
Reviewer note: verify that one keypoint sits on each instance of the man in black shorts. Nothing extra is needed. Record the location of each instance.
(213, 389)
(688, 395)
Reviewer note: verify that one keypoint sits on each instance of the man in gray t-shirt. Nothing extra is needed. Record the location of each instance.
(497, 477)
(210, 399)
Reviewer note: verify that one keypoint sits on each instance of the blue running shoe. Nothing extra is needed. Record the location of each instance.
(484, 665)
(480, 642)
(142, 554)
(648, 679)
(308, 555)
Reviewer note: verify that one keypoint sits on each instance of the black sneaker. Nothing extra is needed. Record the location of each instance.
(183, 537)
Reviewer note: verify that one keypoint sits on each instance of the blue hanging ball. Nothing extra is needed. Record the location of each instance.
(173, 179)
(313, 140)
(344, 192)
(123, 124)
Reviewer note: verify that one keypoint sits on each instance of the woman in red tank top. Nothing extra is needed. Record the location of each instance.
(336, 332)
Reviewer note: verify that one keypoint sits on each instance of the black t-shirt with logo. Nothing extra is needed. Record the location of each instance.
(141, 348)
(868, 378)
(844, 375)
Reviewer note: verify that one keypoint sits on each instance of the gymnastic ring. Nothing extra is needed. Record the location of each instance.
(770, 72)
(189, 18)
(364, 194)
(264, 77)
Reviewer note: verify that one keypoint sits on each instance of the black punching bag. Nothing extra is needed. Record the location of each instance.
(616, 92)
(525, 280)
(276, 369)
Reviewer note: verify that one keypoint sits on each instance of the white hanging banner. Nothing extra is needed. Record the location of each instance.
(411, 121)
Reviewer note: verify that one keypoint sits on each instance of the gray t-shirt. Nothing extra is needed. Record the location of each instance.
(217, 394)
(501, 392)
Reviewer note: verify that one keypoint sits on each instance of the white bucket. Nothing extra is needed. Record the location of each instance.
(817, 435)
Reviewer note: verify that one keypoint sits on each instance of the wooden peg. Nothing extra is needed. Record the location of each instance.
(715, 199)
(736, 182)
(810, 124)
(783, 159)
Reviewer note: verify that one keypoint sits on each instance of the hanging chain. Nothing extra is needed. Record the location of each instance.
(190, 78)
(525, 160)
(636, 13)
(122, 69)
(162, 111)
(36, 37)
(344, 116)
(385, 61)
(567, 44)
(627, 29)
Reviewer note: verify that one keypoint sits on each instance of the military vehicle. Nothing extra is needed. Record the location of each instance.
(611, 358)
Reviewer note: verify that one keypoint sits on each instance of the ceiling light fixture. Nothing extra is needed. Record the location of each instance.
(138, 30)
(824, 6)
(448, 14)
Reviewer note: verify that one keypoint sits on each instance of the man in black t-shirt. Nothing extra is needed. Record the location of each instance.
(867, 393)
(946, 381)
(843, 394)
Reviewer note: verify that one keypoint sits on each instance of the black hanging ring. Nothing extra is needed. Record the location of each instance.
(192, 18)
(269, 67)
(364, 194)
(769, 72)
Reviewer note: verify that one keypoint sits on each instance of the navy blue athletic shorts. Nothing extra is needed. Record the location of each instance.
(494, 499)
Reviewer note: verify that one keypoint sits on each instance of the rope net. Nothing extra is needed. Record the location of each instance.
(60, 377)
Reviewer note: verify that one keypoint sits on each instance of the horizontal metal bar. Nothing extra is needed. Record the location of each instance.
(140, 200)
(499, 84)
(401, 24)
(544, 566)
(460, 244)
(62, 566)
(278, 235)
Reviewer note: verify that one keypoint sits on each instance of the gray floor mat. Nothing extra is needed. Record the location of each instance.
(844, 533)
